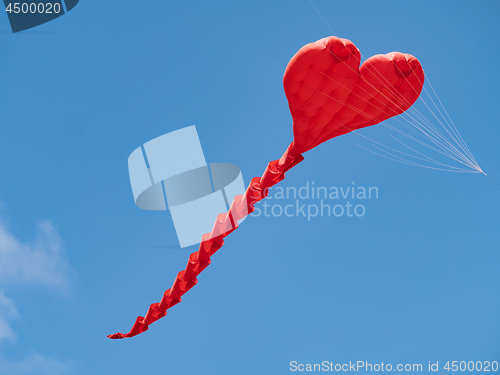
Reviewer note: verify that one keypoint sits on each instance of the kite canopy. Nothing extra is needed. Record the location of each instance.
(329, 94)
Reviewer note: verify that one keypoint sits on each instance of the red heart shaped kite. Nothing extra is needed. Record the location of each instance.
(329, 94)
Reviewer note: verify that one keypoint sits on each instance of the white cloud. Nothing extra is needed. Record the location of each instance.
(8, 311)
(41, 262)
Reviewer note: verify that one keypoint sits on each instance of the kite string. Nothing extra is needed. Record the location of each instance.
(430, 131)
(404, 161)
(327, 24)
(376, 120)
(456, 134)
(432, 134)
(491, 178)
(450, 148)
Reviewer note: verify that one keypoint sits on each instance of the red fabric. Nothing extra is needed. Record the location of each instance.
(328, 95)
(225, 224)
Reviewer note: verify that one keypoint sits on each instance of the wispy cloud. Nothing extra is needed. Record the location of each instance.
(8, 312)
(42, 261)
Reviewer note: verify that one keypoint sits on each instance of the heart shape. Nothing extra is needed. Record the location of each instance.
(329, 94)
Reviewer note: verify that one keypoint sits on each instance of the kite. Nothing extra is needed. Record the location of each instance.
(329, 94)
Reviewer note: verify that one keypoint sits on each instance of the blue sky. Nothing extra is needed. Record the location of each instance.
(413, 280)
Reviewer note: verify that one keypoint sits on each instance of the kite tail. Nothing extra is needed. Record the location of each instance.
(226, 223)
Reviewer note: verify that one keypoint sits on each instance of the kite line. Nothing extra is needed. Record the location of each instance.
(422, 131)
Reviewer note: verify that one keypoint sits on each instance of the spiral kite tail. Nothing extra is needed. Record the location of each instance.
(225, 224)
